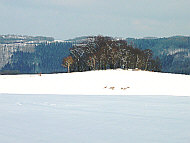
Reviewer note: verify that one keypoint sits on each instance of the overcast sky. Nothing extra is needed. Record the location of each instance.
(64, 19)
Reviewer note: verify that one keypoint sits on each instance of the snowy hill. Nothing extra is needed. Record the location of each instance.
(109, 82)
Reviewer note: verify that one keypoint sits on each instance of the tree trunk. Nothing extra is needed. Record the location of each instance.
(94, 62)
(68, 68)
(146, 66)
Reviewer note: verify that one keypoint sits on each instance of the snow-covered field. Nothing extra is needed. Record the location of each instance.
(60, 108)
(109, 82)
(94, 119)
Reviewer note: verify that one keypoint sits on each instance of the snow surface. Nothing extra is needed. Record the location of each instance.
(109, 82)
(60, 108)
(94, 119)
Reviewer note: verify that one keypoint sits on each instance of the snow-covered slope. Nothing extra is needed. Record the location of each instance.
(109, 82)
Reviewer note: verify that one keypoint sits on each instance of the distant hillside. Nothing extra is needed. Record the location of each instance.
(11, 39)
(27, 54)
(174, 52)
(46, 58)
(13, 43)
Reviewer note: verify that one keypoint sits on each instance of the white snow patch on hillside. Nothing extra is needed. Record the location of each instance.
(109, 82)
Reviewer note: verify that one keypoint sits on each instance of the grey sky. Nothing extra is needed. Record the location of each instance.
(64, 19)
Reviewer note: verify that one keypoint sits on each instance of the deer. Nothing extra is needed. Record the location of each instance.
(112, 87)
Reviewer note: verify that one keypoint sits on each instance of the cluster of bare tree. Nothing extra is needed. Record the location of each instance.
(108, 53)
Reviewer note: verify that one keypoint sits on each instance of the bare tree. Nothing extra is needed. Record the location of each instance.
(67, 62)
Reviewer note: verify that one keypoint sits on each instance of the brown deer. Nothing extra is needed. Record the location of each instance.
(112, 88)
(124, 88)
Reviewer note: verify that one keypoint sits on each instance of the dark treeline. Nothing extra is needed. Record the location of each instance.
(173, 52)
(107, 53)
(93, 53)
(20, 62)
(47, 58)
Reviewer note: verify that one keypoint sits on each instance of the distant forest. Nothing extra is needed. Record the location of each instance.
(47, 58)
(174, 52)
(99, 52)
